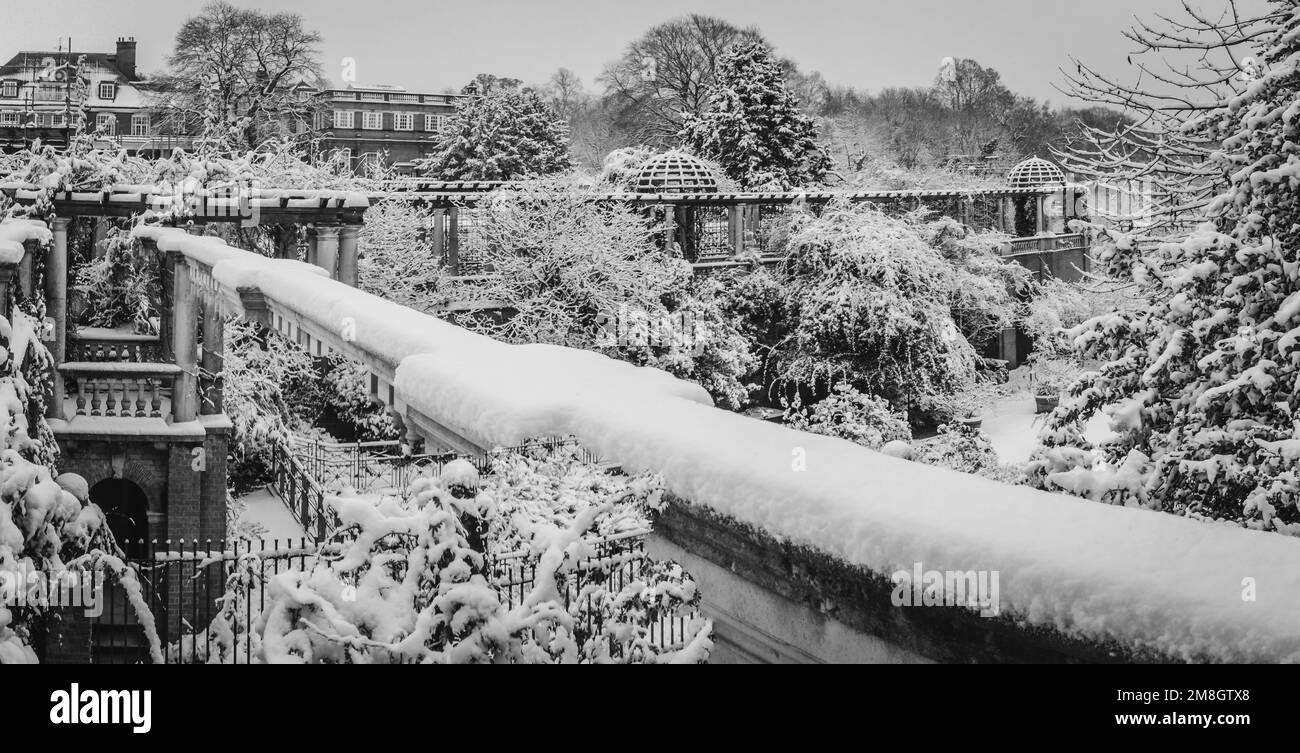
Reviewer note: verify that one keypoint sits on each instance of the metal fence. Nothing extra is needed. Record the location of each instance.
(184, 586)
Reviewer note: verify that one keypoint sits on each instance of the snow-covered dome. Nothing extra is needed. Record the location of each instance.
(1035, 172)
(674, 172)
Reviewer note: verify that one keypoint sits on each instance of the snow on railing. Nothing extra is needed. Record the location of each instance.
(1146, 579)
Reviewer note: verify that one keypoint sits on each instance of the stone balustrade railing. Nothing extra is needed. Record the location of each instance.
(816, 529)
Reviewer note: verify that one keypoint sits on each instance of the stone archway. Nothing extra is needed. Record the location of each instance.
(126, 508)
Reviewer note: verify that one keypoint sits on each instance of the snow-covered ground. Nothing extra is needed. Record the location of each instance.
(1012, 427)
(265, 509)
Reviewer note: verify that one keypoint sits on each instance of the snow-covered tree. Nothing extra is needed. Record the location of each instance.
(753, 125)
(585, 273)
(49, 529)
(891, 306)
(1199, 383)
(504, 135)
(400, 262)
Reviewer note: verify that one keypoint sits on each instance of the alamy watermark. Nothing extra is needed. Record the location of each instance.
(26, 586)
(973, 589)
(632, 327)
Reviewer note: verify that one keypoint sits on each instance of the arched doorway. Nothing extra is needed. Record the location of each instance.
(126, 509)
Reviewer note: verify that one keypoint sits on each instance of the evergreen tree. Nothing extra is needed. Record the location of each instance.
(753, 125)
(504, 135)
(1200, 383)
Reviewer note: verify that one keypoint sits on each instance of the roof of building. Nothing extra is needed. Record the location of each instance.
(29, 59)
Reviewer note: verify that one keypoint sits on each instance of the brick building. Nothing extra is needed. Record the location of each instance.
(40, 92)
(384, 123)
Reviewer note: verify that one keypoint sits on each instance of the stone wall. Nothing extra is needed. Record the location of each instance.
(775, 602)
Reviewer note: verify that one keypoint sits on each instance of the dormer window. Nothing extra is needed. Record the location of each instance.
(9, 89)
(107, 90)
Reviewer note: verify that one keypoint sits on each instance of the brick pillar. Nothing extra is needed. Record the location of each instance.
(348, 252)
(56, 306)
(327, 250)
(184, 322)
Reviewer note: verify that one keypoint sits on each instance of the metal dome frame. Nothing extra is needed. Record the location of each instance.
(1035, 172)
(675, 172)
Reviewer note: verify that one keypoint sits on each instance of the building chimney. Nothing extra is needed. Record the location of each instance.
(125, 59)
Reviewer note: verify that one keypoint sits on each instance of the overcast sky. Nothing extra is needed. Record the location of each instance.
(431, 45)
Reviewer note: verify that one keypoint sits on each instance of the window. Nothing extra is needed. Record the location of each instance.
(107, 90)
(403, 121)
(435, 123)
(58, 120)
(8, 118)
(373, 121)
(344, 119)
(9, 89)
(106, 122)
(140, 125)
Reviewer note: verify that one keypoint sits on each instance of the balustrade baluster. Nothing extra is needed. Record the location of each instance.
(110, 405)
(81, 397)
(95, 405)
(140, 386)
(155, 388)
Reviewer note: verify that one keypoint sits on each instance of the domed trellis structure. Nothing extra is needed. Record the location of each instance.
(1035, 173)
(675, 172)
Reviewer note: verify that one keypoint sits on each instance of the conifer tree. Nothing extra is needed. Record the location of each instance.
(753, 126)
(504, 135)
(1200, 383)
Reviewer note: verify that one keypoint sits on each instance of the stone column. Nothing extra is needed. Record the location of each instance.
(439, 236)
(25, 268)
(214, 349)
(8, 283)
(311, 245)
(184, 390)
(348, 254)
(453, 240)
(56, 308)
(327, 250)
(736, 227)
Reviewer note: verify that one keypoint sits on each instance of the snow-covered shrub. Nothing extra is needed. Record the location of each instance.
(346, 390)
(585, 273)
(986, 289)
(123, 286)
(963, 447)
(538, 490)
(849, 414)
(870, 302)
(400, 262)
(47, 523)
(411, 585)
(1199, 382)
(271, 387)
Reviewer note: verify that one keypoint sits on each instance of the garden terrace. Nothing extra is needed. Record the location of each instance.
(708, 227)
(796, 561)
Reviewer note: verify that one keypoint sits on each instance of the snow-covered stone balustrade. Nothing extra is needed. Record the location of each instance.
(795, 537)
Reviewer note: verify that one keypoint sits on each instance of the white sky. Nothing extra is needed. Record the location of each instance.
(430, 45)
